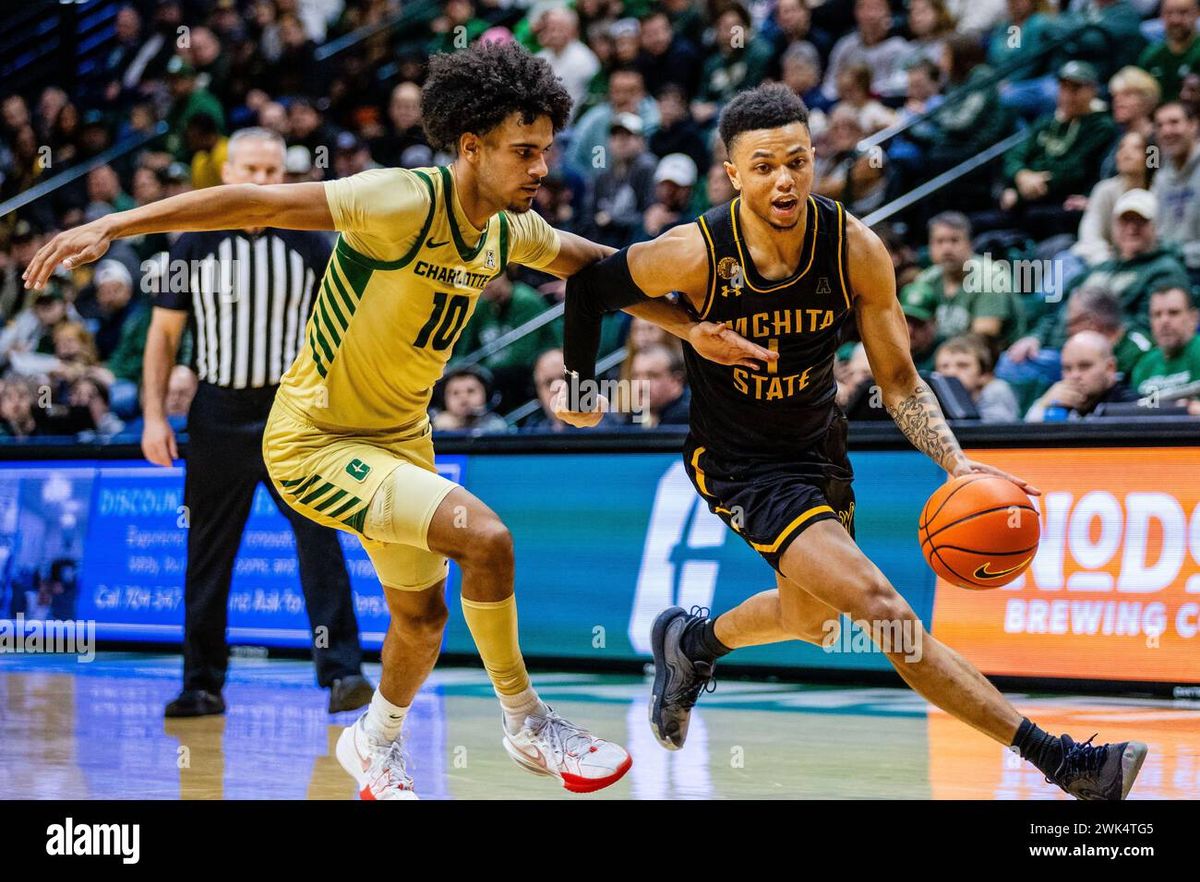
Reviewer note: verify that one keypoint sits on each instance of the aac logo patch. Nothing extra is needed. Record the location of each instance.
(358, 470)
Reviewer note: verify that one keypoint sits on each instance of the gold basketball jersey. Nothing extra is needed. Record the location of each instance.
(401, 284)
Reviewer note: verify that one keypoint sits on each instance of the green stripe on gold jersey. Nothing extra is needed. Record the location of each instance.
(403, 280)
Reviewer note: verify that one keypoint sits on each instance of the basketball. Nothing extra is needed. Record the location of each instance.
(979, 531)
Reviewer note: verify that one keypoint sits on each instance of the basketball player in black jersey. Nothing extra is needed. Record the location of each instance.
(767, 447)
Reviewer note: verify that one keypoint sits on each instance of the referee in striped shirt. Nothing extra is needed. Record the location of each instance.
(246, 296)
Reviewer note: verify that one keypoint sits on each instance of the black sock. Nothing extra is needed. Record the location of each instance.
(699, 642)
(1039, 747)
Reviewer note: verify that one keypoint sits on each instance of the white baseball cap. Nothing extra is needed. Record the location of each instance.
(1138, 201)
(678, 168)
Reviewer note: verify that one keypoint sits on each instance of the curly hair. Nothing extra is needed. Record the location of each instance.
(476, 89)
(764, 107)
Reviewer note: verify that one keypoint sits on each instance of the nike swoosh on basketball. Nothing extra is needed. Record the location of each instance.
(984, 573)
(432, 244)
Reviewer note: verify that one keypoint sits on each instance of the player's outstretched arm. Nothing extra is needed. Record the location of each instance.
(884, 331)
(227, 207)
(633, 280)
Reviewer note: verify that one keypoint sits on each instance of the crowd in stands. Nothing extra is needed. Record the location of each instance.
(1057, 281)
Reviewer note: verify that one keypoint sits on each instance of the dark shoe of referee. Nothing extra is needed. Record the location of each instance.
(245, 295)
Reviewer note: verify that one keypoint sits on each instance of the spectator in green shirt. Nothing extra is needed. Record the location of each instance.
(919, 305)
(1140, 267)
(1060, 158)
(503, 306)
(740, 62)
(1175, 359)
(966, 302)
(1177, 55)
(188, 100)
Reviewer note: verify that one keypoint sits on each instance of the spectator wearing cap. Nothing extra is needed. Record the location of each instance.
(1179, 52)
(188, 98)
(350, 155)
(919, 304)
(1174, 361)
(967, 302)
(404, 114)
(626, 95)
(574, 63)
(1060, 158)
(1095, 240)
(505, 305)
(668, 58)
(467, 403)
(1089, 378)
(969, 360)
(297, 165)
(674, 181)
(740, 62)
(620, 194)
(1177, 182)
(1140, 266)
(870, 44)
(209, 149)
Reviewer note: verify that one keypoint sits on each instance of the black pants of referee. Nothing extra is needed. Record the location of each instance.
(224, 468)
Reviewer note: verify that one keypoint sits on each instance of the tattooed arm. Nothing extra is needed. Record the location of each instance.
(884, 330)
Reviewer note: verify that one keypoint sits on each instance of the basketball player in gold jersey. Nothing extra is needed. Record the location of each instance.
(767, 446)
(348, 440)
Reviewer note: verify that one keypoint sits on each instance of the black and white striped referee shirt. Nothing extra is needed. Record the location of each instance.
(248, 297)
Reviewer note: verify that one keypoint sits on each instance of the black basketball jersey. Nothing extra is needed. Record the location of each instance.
(777, 411)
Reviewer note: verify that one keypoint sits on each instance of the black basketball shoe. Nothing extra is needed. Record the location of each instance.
(1105, 771)
(678, 680)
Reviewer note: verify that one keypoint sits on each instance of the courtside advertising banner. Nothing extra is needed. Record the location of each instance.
(1114, 587)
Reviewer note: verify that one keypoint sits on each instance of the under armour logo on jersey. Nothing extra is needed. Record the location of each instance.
(823, 285)
(731, 271)
(358, 470)
(490, 260)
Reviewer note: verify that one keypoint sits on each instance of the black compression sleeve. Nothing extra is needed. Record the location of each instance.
(605, 286)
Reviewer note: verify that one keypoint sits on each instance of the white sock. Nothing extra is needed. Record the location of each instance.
(384, 719)
(518, 707)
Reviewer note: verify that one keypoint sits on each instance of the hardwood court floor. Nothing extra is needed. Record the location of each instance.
(90, 731)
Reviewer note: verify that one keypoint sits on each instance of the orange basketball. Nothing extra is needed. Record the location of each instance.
(979, 531)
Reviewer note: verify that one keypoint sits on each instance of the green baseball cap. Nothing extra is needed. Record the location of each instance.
(178, 67)
(918, 302)
(1079, 72)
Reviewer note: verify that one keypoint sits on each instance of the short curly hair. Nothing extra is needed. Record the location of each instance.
(476, 89)
(765, 107)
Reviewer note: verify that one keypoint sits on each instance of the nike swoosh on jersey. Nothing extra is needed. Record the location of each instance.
(984, 573)
(432, 244)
